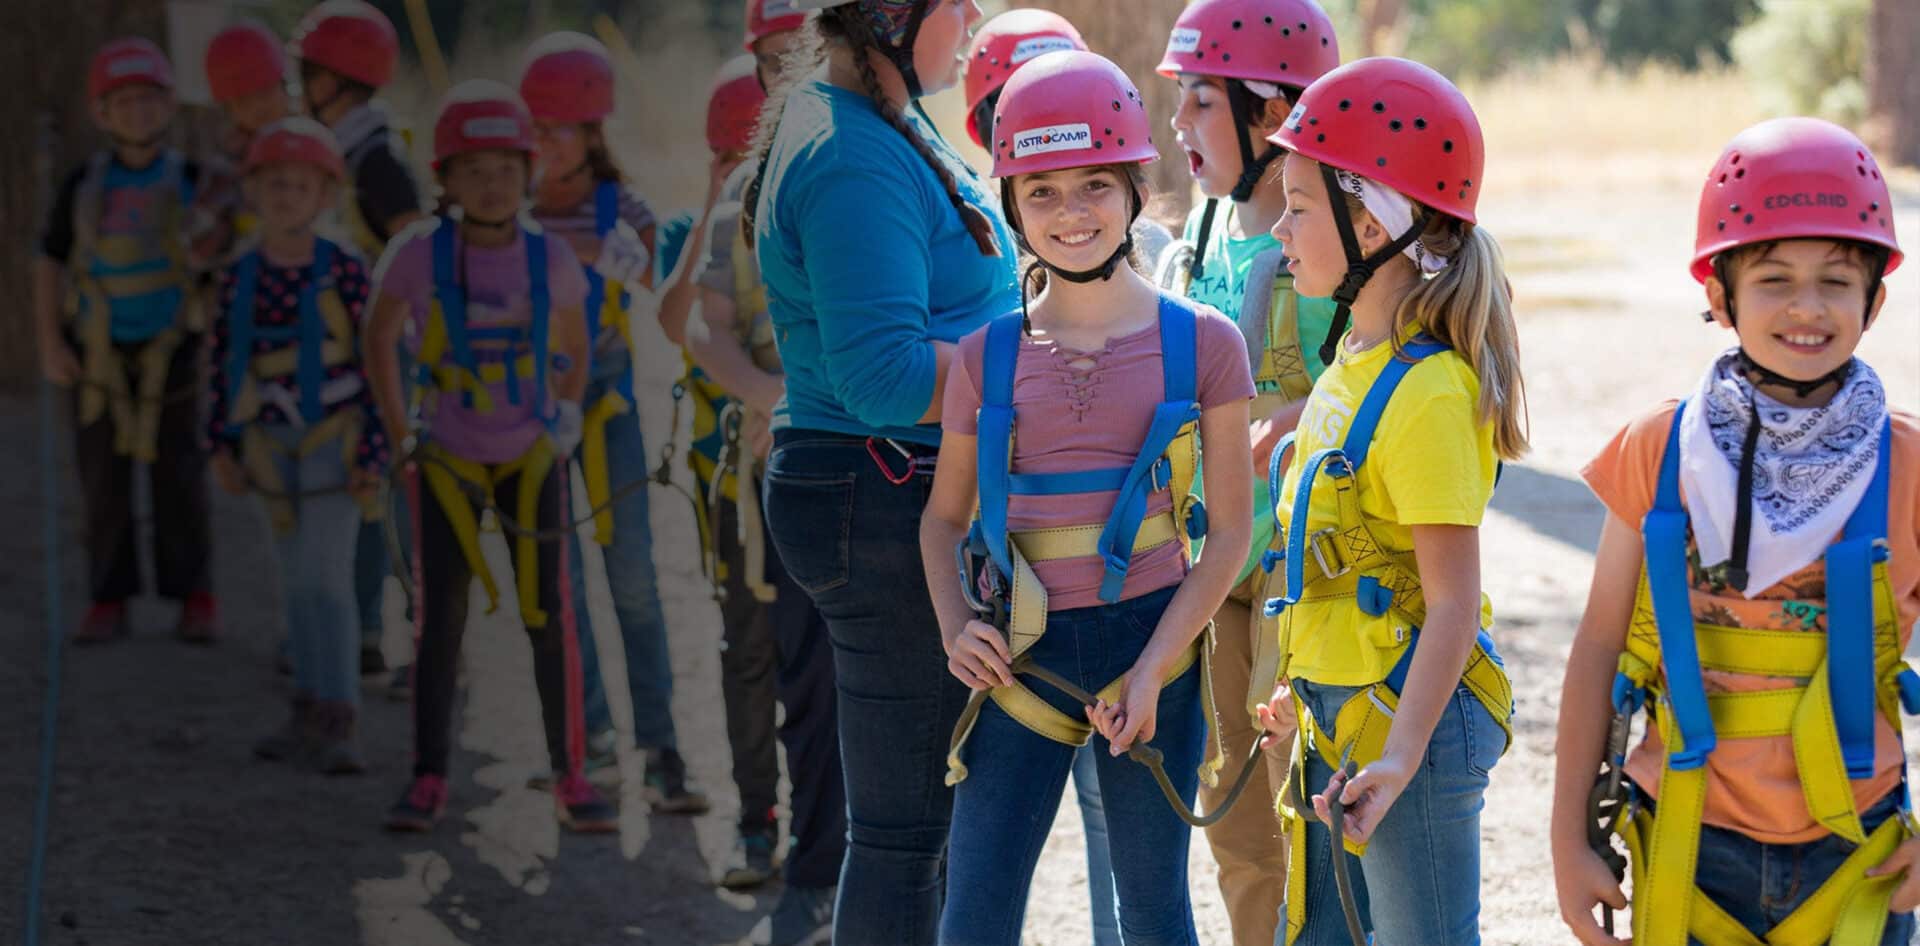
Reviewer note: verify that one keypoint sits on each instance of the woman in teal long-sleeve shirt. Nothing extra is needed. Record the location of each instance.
(880, 248)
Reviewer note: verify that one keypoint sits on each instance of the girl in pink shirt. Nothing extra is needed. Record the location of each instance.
(1086, 386)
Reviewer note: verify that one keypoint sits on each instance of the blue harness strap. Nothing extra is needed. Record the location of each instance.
(995, 435)
(460, 338)
(1135, 484)
(1338, 462)
(240, 324)
(1665, 532)
(1850, 600)
(243, 330)
(606, 216)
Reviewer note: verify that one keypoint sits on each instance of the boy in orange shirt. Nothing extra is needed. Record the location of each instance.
(1756, 582)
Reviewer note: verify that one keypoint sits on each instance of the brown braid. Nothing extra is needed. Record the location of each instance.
(859, 37)
(799, 59)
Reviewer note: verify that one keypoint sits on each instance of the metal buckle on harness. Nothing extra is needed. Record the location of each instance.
(1378, 704)
(1160, 475)
(1317, 544)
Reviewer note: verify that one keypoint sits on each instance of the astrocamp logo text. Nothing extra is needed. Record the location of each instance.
(1052, 138)
(1029, 48)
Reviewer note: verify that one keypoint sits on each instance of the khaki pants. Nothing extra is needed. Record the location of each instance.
(1248, 842)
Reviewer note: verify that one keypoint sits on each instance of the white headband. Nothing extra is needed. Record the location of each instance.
(1266, 90)
(1394, 212)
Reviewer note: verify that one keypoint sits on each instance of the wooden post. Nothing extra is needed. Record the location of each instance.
(1893, 81)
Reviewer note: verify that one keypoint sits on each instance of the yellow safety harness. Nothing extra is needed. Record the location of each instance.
(1169, 459)
(1349, 563)
(1845, 679)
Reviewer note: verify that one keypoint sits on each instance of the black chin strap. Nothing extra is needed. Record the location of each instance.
(1240, 101)
(1737, 574)
(1360, 268)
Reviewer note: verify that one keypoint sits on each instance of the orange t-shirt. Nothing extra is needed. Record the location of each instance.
(1753, 785)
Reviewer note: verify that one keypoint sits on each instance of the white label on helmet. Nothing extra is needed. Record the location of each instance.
(1029, 48)
(1293, 118)
(1184, 41)
(492, 127)
(1052, 138)
(779, 8)
(132, 66)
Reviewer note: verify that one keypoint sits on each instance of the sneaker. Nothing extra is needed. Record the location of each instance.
(197, 624)
(803, 917)
(105, 621)
(752, 861)
(581, 807)
(336, 749)
(666, 782)
(400, 685)
(603, 762)
(421, 806)
(292, 736)
(372, 660)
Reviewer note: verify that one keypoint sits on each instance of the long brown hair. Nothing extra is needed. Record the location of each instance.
(1469, 306)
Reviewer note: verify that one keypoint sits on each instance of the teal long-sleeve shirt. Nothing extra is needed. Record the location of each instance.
(867, 263)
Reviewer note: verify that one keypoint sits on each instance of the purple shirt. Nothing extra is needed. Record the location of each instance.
(497, 295)
(1090, 410)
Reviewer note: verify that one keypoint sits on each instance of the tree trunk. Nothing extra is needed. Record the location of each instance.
(48, 130)
(1380, 33)
(1135, 40)
(1893, 81)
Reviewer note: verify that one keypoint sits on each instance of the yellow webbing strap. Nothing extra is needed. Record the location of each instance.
(451, 377)
(444, 474)
(1848, 907)
(593, 461)
(258, 452)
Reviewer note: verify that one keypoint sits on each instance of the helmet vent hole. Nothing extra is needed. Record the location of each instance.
(1395, 124)
(1737, 175)
(1379, 108)
(1346, 104)
(1447, 146)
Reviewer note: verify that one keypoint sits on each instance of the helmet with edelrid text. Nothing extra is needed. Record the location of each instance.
(480, 115)
(1070, 109)
(350, 38)
(1793, 178)
(1004, 44)
(568, 78)
(296, 140)
(129, 60)
(243, 59)
(733, 106)
(1401, 125)
(767, 17)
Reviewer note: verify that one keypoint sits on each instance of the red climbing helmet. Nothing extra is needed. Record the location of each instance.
(733, 106)
(480, 115)
(129, 60)
(1396, 122)
(1286, 42)
(1793, 178)
(350, 38)
(1067, 110)
(568, 78)
(1004, 44)
(243, 59)
(767, 17)
(296, 140)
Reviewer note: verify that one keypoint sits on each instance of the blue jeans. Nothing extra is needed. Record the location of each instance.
(636, 595)
(316, 565)
(1419, 882)
(1759, 884)
(1093, 816)
(851, 540)
(1004, 810)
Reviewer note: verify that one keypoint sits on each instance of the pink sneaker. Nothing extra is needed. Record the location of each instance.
(581, 807)
(421, 806)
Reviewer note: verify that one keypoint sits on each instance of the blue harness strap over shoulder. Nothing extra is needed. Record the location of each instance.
(1850, 619)
(450, 292)
(1150, 471)
(243, 330)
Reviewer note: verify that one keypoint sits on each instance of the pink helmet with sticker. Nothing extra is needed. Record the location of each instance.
(1004, 44)
(1066, 110)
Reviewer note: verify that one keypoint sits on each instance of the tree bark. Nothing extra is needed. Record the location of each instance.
(1893, 81)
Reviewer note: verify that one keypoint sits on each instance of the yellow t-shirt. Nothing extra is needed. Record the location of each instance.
(1431, 463)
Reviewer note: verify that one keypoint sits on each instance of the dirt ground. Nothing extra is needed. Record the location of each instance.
(165, 832)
